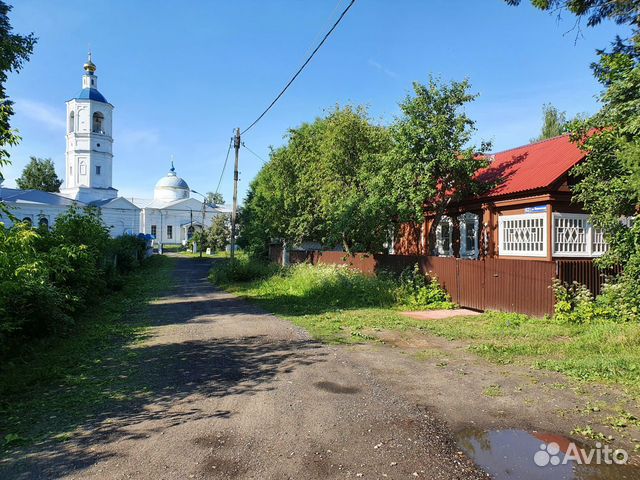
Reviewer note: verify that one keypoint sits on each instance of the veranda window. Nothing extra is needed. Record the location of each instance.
(574, 236)
(523, 235)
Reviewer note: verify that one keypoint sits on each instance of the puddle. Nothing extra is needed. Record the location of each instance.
(511, 454)
(336, 388)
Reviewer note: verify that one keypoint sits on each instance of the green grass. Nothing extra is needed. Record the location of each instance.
(335, 304)
(60, 382)
(604, 351)
(350, 308)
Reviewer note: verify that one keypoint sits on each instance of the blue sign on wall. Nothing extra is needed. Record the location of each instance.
(539, 208)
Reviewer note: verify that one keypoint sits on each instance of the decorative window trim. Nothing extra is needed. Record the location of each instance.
(536, 223)
(464, 219)
(591, 246)
(440, 250)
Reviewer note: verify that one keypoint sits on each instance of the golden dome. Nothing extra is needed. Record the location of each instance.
(89, 67)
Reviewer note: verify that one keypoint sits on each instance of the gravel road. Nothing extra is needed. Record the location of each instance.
(237, 393)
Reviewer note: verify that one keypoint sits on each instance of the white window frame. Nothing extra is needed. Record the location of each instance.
(439, 243)
(590, 236)
(503, 251)
(464, 219)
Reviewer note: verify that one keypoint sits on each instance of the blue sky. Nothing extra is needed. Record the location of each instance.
(182, 75)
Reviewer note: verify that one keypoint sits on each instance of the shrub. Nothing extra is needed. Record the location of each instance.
(241, 269)
(419, 290)
(47, 278)
(128, 252)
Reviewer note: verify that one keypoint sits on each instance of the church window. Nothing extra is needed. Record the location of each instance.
(83, 168)
(169, 232)
(190, 231)
(98, 169)
(98, 120)
(72, 122)
(154, 230)
(43, 223)
(28, 221)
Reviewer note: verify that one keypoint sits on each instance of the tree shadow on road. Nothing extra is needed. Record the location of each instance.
(135, 389)
(156, 388)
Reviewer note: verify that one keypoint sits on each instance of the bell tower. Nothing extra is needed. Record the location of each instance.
(89, 157)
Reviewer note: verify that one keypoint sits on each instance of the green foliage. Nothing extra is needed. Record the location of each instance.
(215, 198)
(609, 179)
(48, 278)
(241, 269)
(308, 287)
(39, 174)
(219, 234)
(322, 186)
(419, 290)
(49, 386)
(554, 123)
(431, 159)
(14, 51)
(343, 180)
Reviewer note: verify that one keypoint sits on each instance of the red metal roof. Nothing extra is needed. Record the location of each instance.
(531, 167)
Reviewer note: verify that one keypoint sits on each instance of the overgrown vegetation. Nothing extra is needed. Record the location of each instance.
(335, 303)
(48, 277)
(52, 385)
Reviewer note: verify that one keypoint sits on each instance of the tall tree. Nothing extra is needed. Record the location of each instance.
(14, 51)
(219, 234)
(609, 178)
(215, 198)
(554, 123)
(432, 162)
(39, 174)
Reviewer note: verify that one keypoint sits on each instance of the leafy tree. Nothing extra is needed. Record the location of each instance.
(14, 51)
(319, 186)
(39, 174)
(215, 198)
(351, 150)
(219, 234)
(431, 164)
(609, 178)
(554, 123)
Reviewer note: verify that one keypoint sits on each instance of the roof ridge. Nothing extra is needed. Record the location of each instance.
(532, 143)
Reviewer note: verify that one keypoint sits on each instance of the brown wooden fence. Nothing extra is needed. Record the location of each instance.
(509, 285)
(585, 272)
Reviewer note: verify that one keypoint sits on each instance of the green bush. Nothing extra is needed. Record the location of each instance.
(127, 252)
(48, 277)
(241, 269)
(419, 290)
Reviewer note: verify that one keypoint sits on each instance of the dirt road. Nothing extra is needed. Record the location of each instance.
(227, 391)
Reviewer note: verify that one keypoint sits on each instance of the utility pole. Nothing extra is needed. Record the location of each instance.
(234, 212)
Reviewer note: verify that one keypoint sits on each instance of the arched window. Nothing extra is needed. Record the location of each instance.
(190, 231)
(98, 120)
(72, 122)
(28, 221)
(43, 223)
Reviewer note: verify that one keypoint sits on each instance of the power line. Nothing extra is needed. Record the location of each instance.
(225, 165)
(344, 12)
(254, 153)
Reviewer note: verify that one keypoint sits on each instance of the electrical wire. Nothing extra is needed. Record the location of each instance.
(344, 12)
(225, 165)
(254, 154)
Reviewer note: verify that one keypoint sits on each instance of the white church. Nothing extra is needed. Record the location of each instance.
(171, 216)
